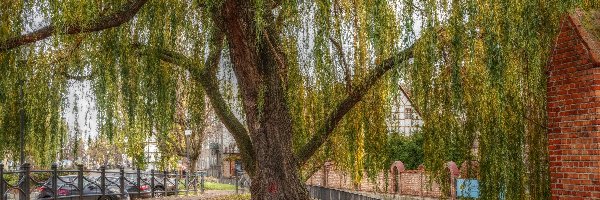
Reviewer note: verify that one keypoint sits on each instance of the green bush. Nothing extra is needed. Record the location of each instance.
(408, 149)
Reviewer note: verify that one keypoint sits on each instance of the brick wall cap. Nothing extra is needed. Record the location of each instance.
(579, 18)
(453, 169)
(399, 165)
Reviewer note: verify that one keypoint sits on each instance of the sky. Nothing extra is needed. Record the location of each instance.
(80, 96)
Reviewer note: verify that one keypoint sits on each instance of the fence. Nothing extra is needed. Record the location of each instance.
(334, 194)
(101, 184)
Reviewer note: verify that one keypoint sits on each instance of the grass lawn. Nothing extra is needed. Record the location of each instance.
(218, 186)
(233, 197)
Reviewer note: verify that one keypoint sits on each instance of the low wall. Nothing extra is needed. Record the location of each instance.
(417, 183)
(399, 181)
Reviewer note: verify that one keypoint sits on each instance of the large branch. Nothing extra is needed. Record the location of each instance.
(122, 15)
(357, 93)
(209, 83)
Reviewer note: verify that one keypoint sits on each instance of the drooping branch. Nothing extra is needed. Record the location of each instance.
(357, 93)
(122, 15)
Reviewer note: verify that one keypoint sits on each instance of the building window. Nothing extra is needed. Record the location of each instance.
(409, 113)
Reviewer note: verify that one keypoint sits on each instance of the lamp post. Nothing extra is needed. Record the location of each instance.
(21, 122)
(187, 134)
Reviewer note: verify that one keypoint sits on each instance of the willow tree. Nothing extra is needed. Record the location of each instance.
(306, 74)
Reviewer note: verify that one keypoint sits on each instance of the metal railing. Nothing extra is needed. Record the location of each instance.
(323, 193)
(27, 184)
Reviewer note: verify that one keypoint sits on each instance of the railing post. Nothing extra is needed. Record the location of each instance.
(54, 181)
(103, 179)
(236, 183)
(202, 183)
(26, 180)
(195, 179)
(122, 181)
(165, 182)
(2, 190)
(187, 182)
(176, 183)
(80, 180)
(152, 183)
(138, 180)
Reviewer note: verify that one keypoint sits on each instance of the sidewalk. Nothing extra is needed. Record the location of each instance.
(209, 194)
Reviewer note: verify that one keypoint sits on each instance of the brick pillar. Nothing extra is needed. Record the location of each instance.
(574, 113)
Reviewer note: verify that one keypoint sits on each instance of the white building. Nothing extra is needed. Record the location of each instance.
(151, 153)
(404, 117)
(218, 145)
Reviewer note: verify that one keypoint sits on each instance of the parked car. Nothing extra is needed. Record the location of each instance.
(145, 182)
(159, 185)
(67, 189)
(145, 186)
(130, 187)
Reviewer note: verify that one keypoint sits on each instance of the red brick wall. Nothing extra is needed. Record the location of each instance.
(573, 116)
(410, 182)
(417, 183)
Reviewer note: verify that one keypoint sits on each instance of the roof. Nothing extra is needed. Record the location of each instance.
(587, 24)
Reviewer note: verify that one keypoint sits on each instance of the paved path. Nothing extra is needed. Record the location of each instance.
(209, 194)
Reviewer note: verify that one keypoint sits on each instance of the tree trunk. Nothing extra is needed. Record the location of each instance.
(276, 179)
(276, 171)
(192, 164)
(260, 68)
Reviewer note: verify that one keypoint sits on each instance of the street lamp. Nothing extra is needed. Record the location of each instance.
(187, 134)
(21, 122)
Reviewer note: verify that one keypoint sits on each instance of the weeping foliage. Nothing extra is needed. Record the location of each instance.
(135, 94)
(477, 77)
(42, 86)
(347, 39)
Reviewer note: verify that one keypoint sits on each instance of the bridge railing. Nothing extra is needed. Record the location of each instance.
(102, 183)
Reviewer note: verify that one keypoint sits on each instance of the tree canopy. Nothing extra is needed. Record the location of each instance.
(313, 80)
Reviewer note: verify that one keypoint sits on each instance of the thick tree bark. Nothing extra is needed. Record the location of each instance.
(276, 172)
(260, 70)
